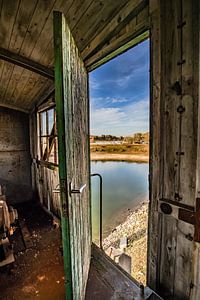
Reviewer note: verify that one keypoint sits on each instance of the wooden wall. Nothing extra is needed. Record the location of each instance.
(15, 176)
(174, 193)
(45, 177)
(173, 248)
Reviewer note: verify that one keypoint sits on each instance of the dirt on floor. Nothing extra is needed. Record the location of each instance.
(37, 272)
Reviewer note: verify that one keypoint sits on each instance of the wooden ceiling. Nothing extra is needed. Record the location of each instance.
(26, 33)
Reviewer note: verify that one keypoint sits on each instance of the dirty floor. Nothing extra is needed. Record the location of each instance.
(37, 272)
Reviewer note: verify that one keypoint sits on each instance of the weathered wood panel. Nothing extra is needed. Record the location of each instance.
(168, 245)
(26, 28)
(155, 145)
(73, 148)
(110, 28)
(171, 244)
(47, 181)
(121, 35)
(77, 137)
(171, 98)
(190, 92)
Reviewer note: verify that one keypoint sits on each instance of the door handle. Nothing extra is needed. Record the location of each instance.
(77, 191)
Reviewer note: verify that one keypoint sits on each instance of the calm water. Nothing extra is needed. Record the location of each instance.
(125, 186)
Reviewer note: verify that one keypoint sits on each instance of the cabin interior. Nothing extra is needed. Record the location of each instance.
(47, 50)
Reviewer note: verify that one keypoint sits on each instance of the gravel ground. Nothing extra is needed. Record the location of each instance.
(135, 229)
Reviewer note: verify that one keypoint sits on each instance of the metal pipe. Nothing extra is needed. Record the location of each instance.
(100, 208)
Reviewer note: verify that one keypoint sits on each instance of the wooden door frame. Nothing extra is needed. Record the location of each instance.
(59, 98)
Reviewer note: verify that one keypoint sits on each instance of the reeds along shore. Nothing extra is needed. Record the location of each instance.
(135, 229)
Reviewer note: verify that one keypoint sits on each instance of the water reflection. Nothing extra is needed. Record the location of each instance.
(125, 186)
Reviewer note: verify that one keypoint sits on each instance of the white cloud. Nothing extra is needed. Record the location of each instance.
(95, 84)
(120, 121)
(119, 100)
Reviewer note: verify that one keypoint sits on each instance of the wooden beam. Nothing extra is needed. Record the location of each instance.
(15, 107)
(135, 28)
(127, 13)
(45, 97)
(119, 51)
(26, 63)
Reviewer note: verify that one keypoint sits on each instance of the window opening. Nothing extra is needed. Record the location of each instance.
(48, 136)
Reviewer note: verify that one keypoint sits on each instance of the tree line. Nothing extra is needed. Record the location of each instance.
(138, 138)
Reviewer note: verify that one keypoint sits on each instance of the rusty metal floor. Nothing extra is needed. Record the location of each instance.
(107, 281)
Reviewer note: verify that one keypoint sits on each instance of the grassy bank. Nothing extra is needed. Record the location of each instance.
(126, 152)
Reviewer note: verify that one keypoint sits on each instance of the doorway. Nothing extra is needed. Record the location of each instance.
(119, 147)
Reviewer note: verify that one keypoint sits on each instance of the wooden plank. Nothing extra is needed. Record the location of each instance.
(128, 33)
(77, 160)
(45, 96)
(195, 284)
(189, 118)
(28, 87)
(9, 11)
(80, 10)
(134, 42)
(113, 27)
(195, 290)
(168, 256)
(41, 91)
(43, 49)
(36, 85)
(19, 87)
(155, 145)
(77, 10)
(93, 21)
(15, 107)
(60, 111)
(22, 20)
(107, 280)
(5, 78)
(170, 134)
(25, 63)
(38, 21)
(183, 257)
(15, 78)
(171, 74)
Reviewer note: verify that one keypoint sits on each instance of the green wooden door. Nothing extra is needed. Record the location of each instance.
(71, 94)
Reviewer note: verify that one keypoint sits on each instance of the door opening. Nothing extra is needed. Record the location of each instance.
(119, 151)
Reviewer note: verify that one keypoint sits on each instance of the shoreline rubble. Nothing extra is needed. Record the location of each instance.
(135, 229)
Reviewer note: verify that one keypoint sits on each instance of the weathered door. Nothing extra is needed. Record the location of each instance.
(174, 228)
(73, 144)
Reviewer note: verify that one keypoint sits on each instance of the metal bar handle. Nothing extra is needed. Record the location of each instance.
(100, 208)
(77, 191)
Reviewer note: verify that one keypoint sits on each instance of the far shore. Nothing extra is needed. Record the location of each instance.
(141, 158)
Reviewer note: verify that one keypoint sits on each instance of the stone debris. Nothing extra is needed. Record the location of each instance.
(134, 228)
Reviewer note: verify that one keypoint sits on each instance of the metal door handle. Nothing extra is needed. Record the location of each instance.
(77, 191)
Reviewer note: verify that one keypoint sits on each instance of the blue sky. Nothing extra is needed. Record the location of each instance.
(119, 94)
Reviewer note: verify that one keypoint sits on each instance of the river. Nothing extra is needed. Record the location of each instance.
(125, 186)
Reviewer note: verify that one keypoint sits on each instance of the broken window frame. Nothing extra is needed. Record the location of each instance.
(45, 154)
